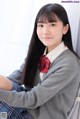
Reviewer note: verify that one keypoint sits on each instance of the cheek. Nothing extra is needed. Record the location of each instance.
(38, 33)
(60, 33)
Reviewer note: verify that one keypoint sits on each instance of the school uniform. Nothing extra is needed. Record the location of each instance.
(54, 92)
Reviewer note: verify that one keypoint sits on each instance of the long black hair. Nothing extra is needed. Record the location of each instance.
(36, 48)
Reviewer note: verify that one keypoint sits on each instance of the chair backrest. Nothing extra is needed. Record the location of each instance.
(75, 111)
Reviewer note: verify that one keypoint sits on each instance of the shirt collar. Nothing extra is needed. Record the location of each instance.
(55, 52)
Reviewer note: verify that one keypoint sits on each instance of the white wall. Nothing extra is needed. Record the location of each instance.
(78, 40)
(14, 33)
(16, 26)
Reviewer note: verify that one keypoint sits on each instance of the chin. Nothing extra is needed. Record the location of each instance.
(47, 44)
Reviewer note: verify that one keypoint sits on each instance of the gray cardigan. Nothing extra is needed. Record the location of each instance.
(52, 98)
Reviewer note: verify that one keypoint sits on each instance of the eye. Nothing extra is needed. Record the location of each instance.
(40, 25)
(52, 24)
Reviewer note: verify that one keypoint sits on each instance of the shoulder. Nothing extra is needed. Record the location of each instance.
(65, 64)
(66, 60)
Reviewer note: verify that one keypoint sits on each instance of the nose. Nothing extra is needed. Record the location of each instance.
(46, 30)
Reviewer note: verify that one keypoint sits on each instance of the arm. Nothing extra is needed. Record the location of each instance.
(13, 81)
(5, 83)
(60, 78)
(16, 75)
(9, 85)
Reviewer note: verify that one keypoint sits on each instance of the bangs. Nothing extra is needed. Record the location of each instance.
(46, 17)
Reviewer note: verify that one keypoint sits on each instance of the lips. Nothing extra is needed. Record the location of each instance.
(47, 37)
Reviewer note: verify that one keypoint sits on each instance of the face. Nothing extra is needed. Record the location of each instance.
(50, 33)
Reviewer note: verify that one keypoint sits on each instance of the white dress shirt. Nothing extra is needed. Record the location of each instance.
(54, 54)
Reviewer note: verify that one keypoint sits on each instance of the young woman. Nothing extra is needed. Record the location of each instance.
(51, 70)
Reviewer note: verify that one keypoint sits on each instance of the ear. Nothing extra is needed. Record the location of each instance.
(65, 29)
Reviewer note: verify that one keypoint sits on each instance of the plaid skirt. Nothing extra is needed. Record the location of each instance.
(8, 112)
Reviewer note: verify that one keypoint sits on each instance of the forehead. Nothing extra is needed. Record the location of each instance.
(48, 18)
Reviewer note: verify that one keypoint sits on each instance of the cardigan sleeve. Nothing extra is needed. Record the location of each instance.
(53, 83)
(15, 76)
